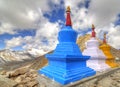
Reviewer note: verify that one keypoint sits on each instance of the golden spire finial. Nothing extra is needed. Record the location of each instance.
(93, 27)
(68, 8)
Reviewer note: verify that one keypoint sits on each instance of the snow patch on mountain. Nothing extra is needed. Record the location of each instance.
(7, 55)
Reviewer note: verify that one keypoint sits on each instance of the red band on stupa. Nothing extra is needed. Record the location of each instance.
(104, 40)
(68, 18)
(93, 31)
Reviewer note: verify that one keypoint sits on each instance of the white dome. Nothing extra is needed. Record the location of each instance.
(92, 43)
(97, 59)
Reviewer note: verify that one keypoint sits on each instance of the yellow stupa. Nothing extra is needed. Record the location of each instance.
(110, 59)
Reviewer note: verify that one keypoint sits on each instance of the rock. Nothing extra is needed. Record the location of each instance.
(3, 72)
(32, 73)
(20, 85)
(111, 75)
(93, 85)
(31, 83)
(27, 79)
(5, 82)
(19, 71)
(38, 86)
(116, 78)
(23, 76)
(18, 79)
(118, 81)
(114, 83)
(42, 85)
(118, 85)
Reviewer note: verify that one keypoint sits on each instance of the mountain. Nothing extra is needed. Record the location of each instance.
(39, 62)
(20, 67)
(36, 59)
(115, 52)
(7, 55)
(42, 61)
(36, 52)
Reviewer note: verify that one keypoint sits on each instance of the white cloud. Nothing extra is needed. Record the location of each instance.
(7, 28)
(36, 52)
(49, 34)
(114, 37)
(104, 12)
(28, 15)
(14, 42)
(23, 14)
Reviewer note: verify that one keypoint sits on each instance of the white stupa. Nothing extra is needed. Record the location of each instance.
(97, 59)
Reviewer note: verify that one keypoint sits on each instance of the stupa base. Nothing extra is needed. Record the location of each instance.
(98, 67)
(64, 76)
(98, 64)
(111, 63)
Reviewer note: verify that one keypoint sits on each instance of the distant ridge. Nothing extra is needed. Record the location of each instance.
(42, 61)
(7, 56)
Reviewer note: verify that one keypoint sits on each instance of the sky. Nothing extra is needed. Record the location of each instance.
(34, 24)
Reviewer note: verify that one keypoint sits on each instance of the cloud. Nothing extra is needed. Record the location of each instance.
(104, 12)
(14, 42)
(45, 38)
(24, 14)
(114, 37)
(21, 14)
(7, 28)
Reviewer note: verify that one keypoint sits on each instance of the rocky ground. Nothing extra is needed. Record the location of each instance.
(21, 77)
(21, 74)
(110, 80)
(27, 77)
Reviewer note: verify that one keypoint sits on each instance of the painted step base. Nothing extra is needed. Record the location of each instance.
(98, 65)
(64, 76)
(97, 60)
(111, 63)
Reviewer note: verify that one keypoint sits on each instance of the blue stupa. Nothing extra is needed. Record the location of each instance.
(67, 64)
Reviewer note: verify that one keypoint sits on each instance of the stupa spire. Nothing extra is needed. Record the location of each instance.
(104, 40)
(93, 31)
(68, 18)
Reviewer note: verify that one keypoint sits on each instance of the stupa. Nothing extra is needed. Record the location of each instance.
(106, 50)
(97, 60)
(67, 64)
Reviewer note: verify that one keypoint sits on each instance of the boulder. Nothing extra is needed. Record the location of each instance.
(5, 82)
(19, 71)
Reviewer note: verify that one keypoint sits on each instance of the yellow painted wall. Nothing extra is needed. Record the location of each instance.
(110, 59)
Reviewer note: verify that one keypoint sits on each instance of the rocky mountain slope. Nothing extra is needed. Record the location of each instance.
(20, 68)
(7, 56)
(41, 61)
(20, 77)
